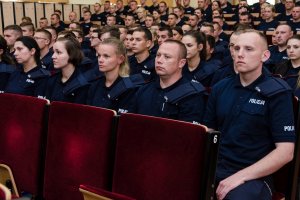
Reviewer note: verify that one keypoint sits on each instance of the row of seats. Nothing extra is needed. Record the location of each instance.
(53, 149)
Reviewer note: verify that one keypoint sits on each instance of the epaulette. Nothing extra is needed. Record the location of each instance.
(4, 68)
(206, 71)
(183, 91)
(39, 74)
(272, 86)
(92, 75)
(125, 84)
(76, 83)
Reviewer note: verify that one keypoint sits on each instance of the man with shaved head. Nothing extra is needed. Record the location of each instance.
(256, 123)
(171, 95)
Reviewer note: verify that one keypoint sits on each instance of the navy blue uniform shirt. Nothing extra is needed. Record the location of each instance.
(145, 68)
(268, 26)
(74, 90)
(47, 61)
(31, 83)
(251, 120)
(276, 57)
(119, 96)
(5, 71)
(170, 102)
(202, 74)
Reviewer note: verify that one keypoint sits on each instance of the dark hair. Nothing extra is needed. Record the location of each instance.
(30, 43)
(73, 49)
(47, 33)
(211, 41)
(66, 33)
(168, 29)
(57, 15)
(200, 39)
(113, 31)
(178, 29)
(15, 28)
(147, 32)
(182, 48)
(57, 11)
(174, 15)
(5, 57)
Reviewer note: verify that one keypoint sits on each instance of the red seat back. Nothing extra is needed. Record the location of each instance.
(22, 126)
(162, 159)
(78, 150)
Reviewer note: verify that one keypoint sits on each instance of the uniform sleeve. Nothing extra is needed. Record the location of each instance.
(282, 117)
(192, 109)
(210, 117)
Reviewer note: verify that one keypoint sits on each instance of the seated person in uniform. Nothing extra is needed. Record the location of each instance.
(115, 89)
(295, 22)
(278, 52)
(256, 123)
(290, 69)
(30, 79)
(269, 23)
(43, 38)
(196, 68)
(6, 64)
(143, 62)
(171, 95)
(69, 84)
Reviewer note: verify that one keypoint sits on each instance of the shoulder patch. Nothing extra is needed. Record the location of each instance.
(183, 91)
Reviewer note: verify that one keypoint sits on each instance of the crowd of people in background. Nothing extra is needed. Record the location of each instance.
(179, 63)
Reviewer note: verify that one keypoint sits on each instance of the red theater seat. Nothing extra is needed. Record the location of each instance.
(79, 148)
(286, 179)
(164, 159)
(22, 128)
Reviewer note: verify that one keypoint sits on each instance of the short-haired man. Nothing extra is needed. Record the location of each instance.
(86, 25)
(245, 18)
(43, 22)
(53, 34)
(111, 20)
(278, 52)
(143, 63)
(295, 22)
(163, 7)
(163, 34)
(193, 21)
(73, 17)
(204, 4)
(43, 39)
(129, 21)
(172, 20)
(256, 123)
(171, 95)
(179, 11)
(27, 28)
(55, 23)
(11, 33)
(98, 15)
(287, 14)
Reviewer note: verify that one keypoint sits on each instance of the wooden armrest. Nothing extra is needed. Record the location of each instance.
(7, 175)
